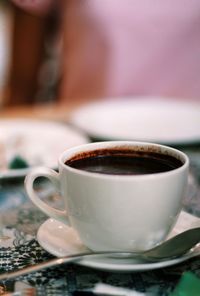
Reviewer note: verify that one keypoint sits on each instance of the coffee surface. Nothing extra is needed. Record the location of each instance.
(114, 162)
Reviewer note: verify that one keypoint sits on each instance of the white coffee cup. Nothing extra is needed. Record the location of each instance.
(116, 212)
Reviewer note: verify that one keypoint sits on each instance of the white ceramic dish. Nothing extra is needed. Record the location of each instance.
(38, 142)
(150, 119)
(60, 240)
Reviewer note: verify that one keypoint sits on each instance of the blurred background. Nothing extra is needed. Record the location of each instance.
(85, 50)
(5, 45)
(28, 55)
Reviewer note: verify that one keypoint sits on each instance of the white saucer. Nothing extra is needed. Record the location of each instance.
(152, 119)
(60, 240)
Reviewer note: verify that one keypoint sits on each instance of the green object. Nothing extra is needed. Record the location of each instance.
(18, 163)
(189, 285)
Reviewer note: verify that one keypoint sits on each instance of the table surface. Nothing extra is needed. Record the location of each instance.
(20, 220)
(44, 111)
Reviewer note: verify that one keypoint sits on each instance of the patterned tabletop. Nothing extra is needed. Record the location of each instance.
(20, 220)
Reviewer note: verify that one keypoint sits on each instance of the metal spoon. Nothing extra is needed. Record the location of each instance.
(170, 249)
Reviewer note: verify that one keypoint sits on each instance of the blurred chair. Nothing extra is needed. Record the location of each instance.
(33, 72)
(5, 29)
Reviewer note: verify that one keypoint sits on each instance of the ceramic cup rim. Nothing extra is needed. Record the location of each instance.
(69, 153)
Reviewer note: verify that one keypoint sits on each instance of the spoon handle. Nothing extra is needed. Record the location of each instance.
(64, 260)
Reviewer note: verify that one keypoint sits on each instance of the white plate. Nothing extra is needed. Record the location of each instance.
(144, 119)
(61, 240)
(39, 142)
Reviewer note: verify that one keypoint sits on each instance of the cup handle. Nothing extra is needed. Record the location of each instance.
(44, 207)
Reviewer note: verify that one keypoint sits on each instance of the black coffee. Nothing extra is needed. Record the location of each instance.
(124, 162)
